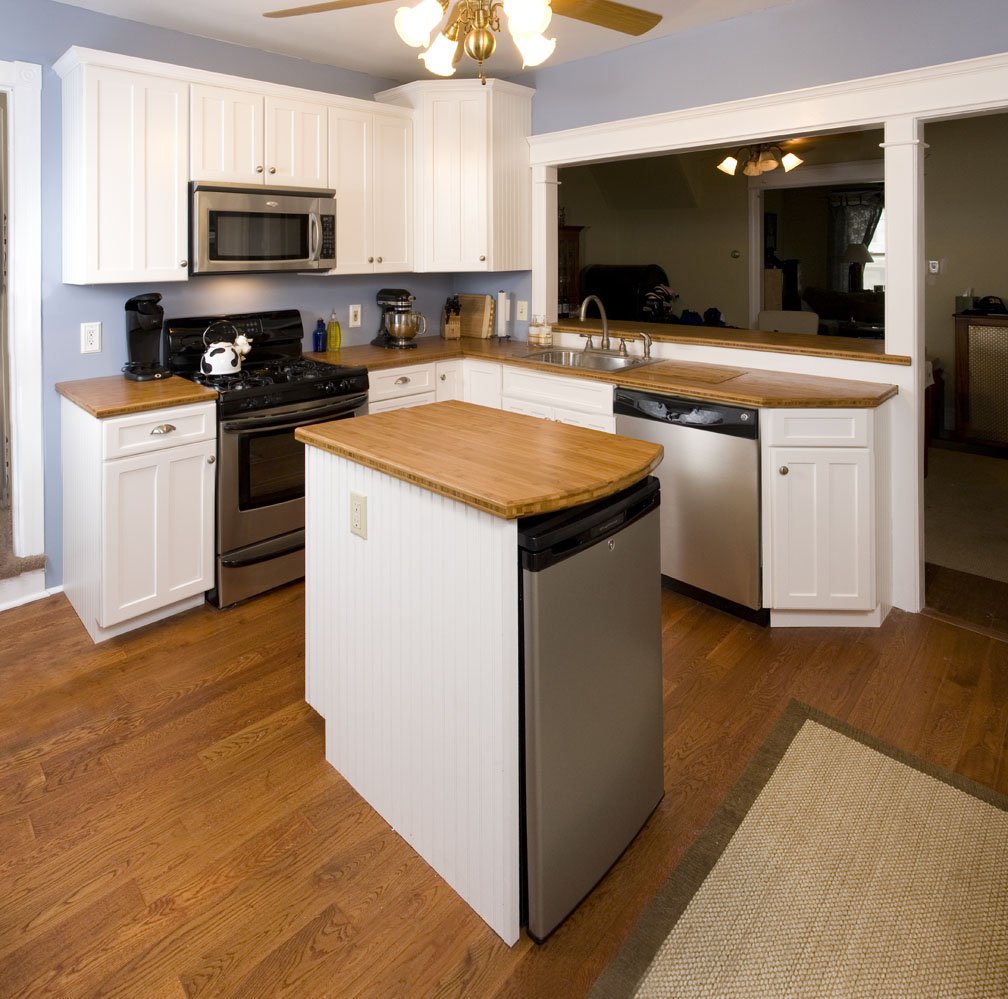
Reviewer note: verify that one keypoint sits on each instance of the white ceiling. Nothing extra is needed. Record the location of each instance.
(364, 39)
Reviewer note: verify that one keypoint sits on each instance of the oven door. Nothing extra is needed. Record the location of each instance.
(236, 231)
(260, 479)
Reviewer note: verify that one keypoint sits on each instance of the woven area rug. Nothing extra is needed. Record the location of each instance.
(837, 867)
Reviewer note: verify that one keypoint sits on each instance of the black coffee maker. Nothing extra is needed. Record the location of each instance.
(143, 338)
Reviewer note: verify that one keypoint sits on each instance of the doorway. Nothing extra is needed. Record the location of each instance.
(966, 483)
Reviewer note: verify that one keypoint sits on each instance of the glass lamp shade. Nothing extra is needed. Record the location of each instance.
(767, 161)
(751, 168)
(414, 24)
(728, 165)
(438, 58)
(527, 17)
(534, 49)
(789, 161)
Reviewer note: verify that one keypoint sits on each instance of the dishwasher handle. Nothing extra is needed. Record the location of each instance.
(692, 414)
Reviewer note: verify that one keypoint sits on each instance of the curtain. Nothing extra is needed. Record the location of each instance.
(853, 218)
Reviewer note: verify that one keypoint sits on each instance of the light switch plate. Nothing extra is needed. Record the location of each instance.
(358, 514)
(355, 313)
(522, 310)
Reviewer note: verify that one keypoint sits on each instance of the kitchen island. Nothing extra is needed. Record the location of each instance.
(412, 649)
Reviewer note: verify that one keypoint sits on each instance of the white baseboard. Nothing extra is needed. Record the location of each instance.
(827, 619)
(25, 588)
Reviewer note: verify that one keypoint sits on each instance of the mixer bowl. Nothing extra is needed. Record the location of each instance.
(404, 325)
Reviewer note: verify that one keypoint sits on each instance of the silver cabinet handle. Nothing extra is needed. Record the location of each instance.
(164, 428)
(259, 169)
(183, 263)
(783, 469)
(272, 169)
(402, 380)
(211, 458)
(482, 256)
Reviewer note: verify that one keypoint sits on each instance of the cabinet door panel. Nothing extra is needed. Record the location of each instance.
(592, 421)
(350, 177)
(227, 135)
(449, 380)
(821, 529)
(296, 146)
(393, 193)
(526, 408)
(482, 383)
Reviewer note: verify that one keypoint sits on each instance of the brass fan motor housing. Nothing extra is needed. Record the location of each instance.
(480, 44)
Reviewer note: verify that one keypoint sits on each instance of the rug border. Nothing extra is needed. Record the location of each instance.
(621, 976)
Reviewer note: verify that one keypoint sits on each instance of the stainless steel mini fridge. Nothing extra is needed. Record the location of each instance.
(590, 613)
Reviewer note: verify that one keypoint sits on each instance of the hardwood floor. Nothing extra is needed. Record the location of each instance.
(169, 827)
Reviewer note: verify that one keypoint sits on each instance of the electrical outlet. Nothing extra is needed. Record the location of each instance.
(522, 310)
(358, 514)
(90, 338)
(354, 316)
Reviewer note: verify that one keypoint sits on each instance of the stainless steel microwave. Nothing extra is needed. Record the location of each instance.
(243, 229)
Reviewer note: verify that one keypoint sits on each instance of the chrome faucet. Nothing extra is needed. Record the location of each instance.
(605, 322)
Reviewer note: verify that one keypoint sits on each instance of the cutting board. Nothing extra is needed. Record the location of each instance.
(476, 315)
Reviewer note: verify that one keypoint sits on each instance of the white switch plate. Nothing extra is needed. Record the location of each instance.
(354, 316)
(522, 309)
(358, 514)
(90, 338)
(933, 266)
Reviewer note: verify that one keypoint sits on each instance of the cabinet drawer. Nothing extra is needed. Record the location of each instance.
(817, 427)
(393, 383)
(401, 402)
(139, 432)
(556, 390)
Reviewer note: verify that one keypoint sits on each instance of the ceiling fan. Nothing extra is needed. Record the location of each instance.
(470, 25)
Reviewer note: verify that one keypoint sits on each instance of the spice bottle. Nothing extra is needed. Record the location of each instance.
(333, 332)
(319, 336)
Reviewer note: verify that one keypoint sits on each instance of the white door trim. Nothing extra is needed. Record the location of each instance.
(22, 81)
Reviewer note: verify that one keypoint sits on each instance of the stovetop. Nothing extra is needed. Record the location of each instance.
(274, 373)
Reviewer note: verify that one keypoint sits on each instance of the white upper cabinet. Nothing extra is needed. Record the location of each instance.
(473, 179)
(247, 138)
(125, 174)
(371, 171)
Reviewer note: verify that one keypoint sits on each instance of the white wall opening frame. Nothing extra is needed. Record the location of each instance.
(903, 102)
(826, 175)
(22, 82)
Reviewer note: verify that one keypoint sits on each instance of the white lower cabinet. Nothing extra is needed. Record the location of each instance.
(138, 514)
(448, 384)
(399, 388)
(820, 519)
(482, 382)
(579, 402)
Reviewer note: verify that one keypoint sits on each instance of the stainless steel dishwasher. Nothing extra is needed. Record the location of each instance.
(710, 482)
(590, 616)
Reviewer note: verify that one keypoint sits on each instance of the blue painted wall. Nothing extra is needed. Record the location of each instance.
(804, 43)
(40, 31)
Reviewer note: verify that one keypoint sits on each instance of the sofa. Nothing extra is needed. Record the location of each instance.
(848, 313)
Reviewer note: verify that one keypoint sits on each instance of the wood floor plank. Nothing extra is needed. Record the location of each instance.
(194, 842)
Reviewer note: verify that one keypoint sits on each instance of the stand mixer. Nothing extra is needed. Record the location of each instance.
(399, 323)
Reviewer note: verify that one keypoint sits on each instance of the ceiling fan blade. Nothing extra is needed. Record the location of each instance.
(608, 14)
(318, 8)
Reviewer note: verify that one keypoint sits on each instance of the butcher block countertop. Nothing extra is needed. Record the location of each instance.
(714, 382)
(117, 396)
(506, 464)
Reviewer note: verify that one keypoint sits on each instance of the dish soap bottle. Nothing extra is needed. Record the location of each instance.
(319, 336)
(333, 332)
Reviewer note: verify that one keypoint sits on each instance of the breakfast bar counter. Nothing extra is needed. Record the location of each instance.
(412, 621)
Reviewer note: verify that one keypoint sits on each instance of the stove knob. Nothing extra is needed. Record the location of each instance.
(344, 385)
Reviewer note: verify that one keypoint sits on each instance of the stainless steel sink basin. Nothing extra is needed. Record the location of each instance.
(592, 360)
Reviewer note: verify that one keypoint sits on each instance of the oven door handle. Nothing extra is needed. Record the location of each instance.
(290, 421)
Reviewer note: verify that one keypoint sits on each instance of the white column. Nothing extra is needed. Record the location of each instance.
(544, 241)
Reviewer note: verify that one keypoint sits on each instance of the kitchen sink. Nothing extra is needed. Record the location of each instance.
(591, 360)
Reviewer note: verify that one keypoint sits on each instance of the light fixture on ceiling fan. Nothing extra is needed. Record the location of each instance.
(470, 26)
(759, 159)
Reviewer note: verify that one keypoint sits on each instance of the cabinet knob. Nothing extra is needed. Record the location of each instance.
(783, 470)
(444, 378)
(482, 256)
(259, 169)
(379, 260)
(164, 428)
(211, 458)
(370, 260)
(402, 380)
(272, 169)
(183, 263)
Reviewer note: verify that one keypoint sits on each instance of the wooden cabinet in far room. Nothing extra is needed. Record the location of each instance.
(981, 377)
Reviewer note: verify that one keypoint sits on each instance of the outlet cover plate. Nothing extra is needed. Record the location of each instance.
(90, 338)
(358, 514)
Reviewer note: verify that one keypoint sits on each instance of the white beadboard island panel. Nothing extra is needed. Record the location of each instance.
(412, 659)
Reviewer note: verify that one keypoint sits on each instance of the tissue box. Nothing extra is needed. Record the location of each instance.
(964, 302)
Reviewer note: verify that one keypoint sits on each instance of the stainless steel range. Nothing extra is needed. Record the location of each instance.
(260, 467)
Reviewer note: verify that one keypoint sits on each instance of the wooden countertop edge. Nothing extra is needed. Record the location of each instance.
(90, 394)
(545, 502)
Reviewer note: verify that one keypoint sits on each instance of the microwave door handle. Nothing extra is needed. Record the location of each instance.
(316, 242)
